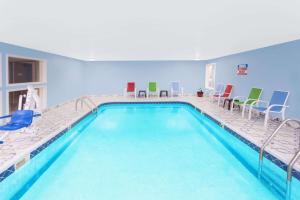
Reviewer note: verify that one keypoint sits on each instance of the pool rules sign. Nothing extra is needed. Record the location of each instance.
(242, 69)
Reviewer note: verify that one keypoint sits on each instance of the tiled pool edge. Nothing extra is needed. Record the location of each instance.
(10, 170)
(267, 155)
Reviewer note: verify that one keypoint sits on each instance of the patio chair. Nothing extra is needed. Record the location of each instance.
(276, 105)
(245, 102)
(130, 89)
(226, 94)
(18, 120)
(152, 89)
(176, 90)
(216, 91)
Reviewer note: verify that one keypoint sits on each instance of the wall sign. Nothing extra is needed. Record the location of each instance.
(242, 69)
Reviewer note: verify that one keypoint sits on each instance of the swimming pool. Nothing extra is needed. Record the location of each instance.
(147, 151)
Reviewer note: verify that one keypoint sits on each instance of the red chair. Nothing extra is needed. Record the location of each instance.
(130, 89)
(226, 94)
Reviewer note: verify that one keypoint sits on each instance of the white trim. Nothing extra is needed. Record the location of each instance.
(1, 87)
(214, 76)
(20, 85)
(43, 70)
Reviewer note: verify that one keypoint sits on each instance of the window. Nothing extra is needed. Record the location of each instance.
(22, 70)
(13, 99)
(210, 72)
(21, 73)
(14, 96)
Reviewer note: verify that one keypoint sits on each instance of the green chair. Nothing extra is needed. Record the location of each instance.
(152, 89)
(245, 102)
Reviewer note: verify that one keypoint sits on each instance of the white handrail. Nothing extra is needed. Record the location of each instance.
(291, 163)
(87, 101)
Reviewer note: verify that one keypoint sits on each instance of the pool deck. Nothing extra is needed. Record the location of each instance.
(19, 144)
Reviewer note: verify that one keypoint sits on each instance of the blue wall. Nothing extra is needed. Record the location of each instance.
(272, 68)
(111, 77)
(64, 75)
(68, 78)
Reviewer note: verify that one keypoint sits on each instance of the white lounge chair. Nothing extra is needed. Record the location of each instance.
(152, 89)
(218, 90)
(245, 102)
(225, 95)
(176, 90)
(130, 89)
(277, 105)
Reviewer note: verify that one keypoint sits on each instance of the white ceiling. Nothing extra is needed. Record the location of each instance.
(148, 29)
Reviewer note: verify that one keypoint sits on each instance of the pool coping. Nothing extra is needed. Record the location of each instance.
(10, 168)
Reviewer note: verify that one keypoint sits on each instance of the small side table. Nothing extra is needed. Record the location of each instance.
(163, 92)
(142, 93)
(229, 102)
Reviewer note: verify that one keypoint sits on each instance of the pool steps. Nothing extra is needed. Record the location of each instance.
(291, 163)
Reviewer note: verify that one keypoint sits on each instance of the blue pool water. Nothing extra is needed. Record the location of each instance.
(146, 152)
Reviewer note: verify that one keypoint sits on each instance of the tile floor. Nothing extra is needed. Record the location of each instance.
(19, 144)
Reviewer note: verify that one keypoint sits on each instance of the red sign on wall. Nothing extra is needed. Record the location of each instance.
(242, 69)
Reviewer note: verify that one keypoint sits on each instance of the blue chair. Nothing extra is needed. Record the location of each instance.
(219, 89)
(176, 90)
(19, 119)
(276, 105)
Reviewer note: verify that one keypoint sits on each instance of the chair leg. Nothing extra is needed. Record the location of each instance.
(243, 111)
(3, 137)
(283, 115)
(231, 107)
(266, 120)
(250, 113)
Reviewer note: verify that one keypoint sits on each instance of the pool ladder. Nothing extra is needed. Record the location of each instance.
(291, 163)
(88, 102)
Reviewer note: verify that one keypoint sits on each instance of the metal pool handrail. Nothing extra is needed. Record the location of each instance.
(87, 101)
(291, 163)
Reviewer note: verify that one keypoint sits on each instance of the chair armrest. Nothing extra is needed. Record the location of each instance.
(5, 116)
(227, 93)
(209, 91)
(37, 115)
(238, 98)
(258, 102)
(254, 101)
(261, 101)
(276, 105)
